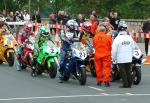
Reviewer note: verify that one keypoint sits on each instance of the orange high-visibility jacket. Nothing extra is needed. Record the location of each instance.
(102, 44)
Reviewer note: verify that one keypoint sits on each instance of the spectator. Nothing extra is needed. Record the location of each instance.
(10, 17)
(18, 17)
(114, 20)
(36, 18)
(63, 17)
(106, 22)
(146, 30)
(80, 19)
(94, 24)
(26, 16)
(102, 57)
(52, 20)
(66, 18)
(60, 17)
(94, 13)
(21, 15)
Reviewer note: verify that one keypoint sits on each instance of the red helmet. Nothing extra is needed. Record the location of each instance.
(28, 27)
(86, 26)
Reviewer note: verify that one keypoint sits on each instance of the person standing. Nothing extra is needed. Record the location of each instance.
(18, 17)
(94, 24)
(122, 53)
(102, 57)
(80, 19)
(52, 20)
(26, 16)
(36, 18)
(114, 20)
(146, 30)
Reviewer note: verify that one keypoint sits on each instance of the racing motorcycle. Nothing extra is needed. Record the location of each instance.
(27, 56)
(47, 60)
(135, 68)
(74, 65)
(7, 51)
(90, 67)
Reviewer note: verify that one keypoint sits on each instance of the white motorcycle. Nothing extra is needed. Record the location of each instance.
(136, 68)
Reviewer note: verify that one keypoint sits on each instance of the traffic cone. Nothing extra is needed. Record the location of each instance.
(148, 57)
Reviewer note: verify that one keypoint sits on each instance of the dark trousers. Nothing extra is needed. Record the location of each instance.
(125, 71)
(146, 45)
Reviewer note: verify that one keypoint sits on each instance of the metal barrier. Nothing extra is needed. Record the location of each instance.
(137, 36)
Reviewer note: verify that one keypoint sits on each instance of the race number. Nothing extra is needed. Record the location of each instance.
(82, 54)
(52, 50)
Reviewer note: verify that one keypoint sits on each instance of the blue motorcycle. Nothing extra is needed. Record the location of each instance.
(75, 61)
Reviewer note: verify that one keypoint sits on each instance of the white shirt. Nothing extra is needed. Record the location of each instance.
(122, 48)
(26, 17)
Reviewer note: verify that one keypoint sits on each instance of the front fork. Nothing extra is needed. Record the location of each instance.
(78, 68)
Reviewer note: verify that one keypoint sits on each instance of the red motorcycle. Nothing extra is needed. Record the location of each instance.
(27, 56)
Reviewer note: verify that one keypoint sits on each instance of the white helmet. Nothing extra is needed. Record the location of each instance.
(122, 26)
(72, 24)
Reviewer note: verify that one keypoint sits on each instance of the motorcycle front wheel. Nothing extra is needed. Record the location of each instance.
(82, 76)
(11, 59)
(52, 70)
(1, 62)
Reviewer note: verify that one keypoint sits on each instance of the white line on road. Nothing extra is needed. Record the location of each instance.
(73, 96)
(96, 88)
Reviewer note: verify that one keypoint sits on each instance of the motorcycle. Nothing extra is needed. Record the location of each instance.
(75, 63)
(47, 60)
(90, 67)
(27, 56)
(135, 68)
(6, 52)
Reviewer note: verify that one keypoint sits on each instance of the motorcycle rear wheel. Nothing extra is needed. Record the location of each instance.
(136, 75)
(92, 68)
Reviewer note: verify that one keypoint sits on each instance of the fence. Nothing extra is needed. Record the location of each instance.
(134, 25)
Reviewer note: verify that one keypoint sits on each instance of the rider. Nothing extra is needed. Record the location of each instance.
(24, 34)
(85, 33)
(122, 53)
(41, 37)
(67, 39)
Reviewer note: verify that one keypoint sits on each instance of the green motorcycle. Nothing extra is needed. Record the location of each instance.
(47, 60)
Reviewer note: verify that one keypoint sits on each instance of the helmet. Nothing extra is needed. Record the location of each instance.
(122, 26)
(72, 24)
(28, 27)
(44, 31)
(86, 26)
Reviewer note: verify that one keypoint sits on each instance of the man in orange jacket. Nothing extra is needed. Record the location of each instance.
(102, 44)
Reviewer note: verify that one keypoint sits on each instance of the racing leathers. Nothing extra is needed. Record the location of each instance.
(22, 37)
(65, 46)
